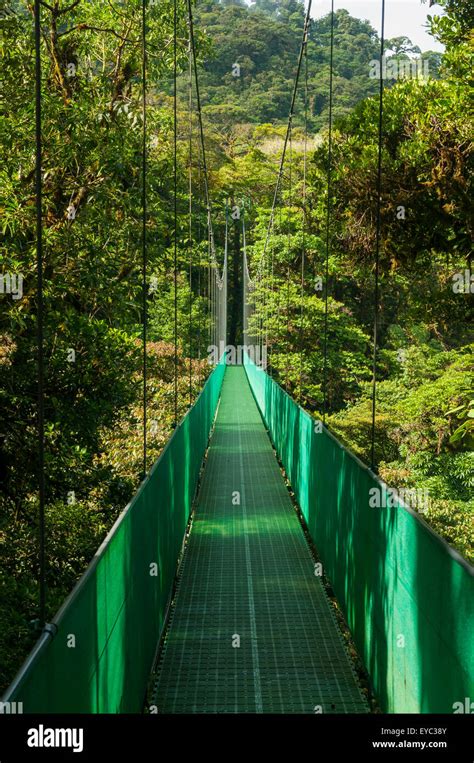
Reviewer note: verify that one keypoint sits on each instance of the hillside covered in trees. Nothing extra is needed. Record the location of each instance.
(92, 195)
(249, 74)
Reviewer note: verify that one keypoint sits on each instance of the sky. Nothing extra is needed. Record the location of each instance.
(402, 17)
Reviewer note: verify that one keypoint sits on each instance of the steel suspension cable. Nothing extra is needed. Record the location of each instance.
(201, 136)
(268, 306)
(249, 288)
(278, 290)
(261, 297)
(262, 313)
(272, 282)
(377, 236)
(175, 204)
(190, 214)
(245, 284)
(328, 218)
(290, 200)
(144, 235)
(213, 305)
(223, 289)
(214, 287)
(303, 232)
(199, 236)
(288, 129)
(209, 294)
(40, 316)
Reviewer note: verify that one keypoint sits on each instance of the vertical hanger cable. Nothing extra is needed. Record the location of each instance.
(190, 215)
(377, 239)
(328, 219)
(40, 316)
(303, 231)
(144, 236)
(175, 205)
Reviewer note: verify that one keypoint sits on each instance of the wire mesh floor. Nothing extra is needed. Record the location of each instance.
(251, 629)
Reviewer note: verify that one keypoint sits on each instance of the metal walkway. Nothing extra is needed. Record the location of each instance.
(251, 629)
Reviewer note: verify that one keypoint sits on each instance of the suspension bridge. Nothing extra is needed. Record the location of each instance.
(207, 596)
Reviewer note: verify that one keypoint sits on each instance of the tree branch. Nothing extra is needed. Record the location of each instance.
(46, 5)
(71, 7)
(89, 28)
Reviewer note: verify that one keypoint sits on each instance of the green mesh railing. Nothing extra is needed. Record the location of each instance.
(406, 594)
(99, 653)
(247, 571)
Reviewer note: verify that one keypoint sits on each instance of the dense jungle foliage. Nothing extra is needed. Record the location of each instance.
(92, 185)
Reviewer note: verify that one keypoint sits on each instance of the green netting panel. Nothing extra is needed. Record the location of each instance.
(406, 595)
(100, 659)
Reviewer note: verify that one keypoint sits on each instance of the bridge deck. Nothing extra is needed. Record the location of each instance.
(248, 578)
